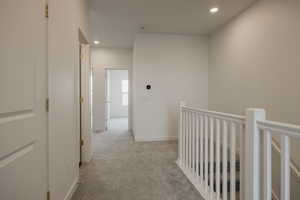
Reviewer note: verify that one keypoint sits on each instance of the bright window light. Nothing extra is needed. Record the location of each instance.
(214, 10)
(96, 42)
(124, 87)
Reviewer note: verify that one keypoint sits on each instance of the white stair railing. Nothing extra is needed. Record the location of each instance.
(286, 132)
(210, 143)
(208, 152)
(259, 182)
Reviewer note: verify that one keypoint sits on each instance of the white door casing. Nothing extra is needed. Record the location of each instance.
(86, 124)
(23, 90)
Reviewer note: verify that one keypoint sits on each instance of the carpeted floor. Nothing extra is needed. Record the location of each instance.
(124, 170)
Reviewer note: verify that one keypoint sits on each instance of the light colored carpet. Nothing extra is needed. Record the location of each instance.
(124, 170)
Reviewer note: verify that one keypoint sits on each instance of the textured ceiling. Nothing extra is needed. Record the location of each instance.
(115, 22)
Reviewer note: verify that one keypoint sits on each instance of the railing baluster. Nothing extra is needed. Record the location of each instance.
(232, 162)
(218, 161)
(285, 168)
(224, 164)
(211, 152)
(193, 143)
(206, 152)
(180, 146)
(197, 146)
(201, 148)
(183, 138)
(186, 139)
(190, 140)
(242, 160)
(267, 160)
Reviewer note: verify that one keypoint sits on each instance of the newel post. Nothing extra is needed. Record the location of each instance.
(252, 154)
(180, 133)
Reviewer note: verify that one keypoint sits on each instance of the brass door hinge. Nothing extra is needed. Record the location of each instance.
(47, 105)
(81, 142)
(47, 11)
(48, 195)
(81, 100)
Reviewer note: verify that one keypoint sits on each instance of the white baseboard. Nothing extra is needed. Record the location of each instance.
(98, 131)
(72, 189)
(155, 139)
(119, 117)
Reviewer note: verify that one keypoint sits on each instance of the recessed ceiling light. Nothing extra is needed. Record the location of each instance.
(96, 42)
(214, 10)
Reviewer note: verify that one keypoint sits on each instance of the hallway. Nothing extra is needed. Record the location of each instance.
(117, 124)
(124, 170)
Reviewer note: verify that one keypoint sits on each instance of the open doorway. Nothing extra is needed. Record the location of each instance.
(116, 99)
(84, 118)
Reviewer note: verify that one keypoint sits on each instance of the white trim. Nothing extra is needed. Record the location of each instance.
(120, 117)
(226, 116)
(98, 131)
(85, 106)
(116, 68)
(281, 128)
(72, 189)
(4, 161)
(155, 139)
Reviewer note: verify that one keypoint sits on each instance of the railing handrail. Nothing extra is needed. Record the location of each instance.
(226, 116)
(280, 128)
(206, 140)
(210, 124)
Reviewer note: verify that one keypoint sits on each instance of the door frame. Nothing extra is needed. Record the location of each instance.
(84, 114)
(80, 105)
(129, 94)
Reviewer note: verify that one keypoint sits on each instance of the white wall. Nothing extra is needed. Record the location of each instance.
(65, 19)
(176, 66)
(115, 93)
(100, 59)
(254, 62)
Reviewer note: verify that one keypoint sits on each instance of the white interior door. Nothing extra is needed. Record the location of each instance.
(23, 157)
(86, 125)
